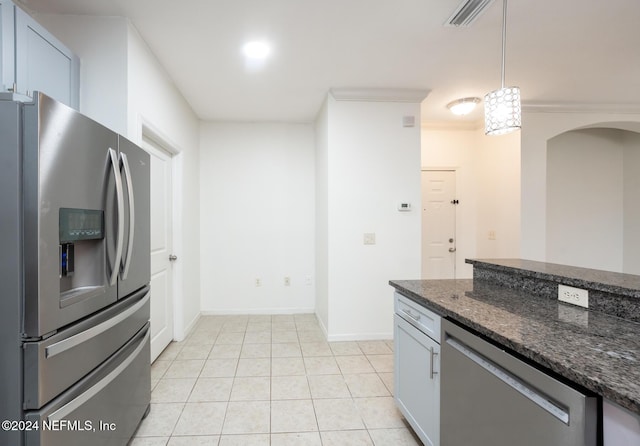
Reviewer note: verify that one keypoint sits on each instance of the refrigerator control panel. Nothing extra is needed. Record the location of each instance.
(81, 224)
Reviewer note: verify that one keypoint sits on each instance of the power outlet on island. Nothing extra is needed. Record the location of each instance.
(575, 296)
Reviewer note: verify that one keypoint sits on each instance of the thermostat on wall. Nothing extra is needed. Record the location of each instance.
(404, 207)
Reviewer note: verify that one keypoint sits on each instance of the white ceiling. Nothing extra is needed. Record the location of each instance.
(558, 51)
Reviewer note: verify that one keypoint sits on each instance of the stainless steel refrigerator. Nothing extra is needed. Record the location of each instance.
(74, 293)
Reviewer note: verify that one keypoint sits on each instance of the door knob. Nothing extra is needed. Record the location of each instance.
(173, 258)
(452, 249)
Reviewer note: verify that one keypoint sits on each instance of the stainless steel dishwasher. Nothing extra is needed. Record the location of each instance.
(491, 398)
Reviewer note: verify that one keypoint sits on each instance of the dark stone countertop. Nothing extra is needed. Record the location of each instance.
(592, 349)
(605, 281)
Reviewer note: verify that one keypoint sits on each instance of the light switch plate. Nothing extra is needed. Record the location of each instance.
(575, 296)
(369, 238)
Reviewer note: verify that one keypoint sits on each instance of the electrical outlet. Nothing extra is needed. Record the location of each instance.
(492, 235)
(308, 281)
(369, 238)
(258, 281)
(287, 281)
(575, 296)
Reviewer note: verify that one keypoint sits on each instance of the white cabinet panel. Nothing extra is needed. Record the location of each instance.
(417, 380)
(7, 46)
(621, 427)
(43, 63)
(31, 58)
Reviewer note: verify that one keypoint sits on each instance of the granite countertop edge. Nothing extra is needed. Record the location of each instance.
(600, 385)
(608, 282)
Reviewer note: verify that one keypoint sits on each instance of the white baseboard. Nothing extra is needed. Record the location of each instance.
(276, 311)
(322, 327)
(360, 337)
(271, 311)
(188, 329)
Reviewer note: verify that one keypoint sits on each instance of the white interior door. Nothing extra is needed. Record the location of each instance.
(438, 224)
(161, 249)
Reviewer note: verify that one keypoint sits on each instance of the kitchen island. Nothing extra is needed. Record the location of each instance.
(596, 350)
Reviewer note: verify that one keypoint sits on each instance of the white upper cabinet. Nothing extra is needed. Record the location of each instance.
(33, 59)
(7, 46)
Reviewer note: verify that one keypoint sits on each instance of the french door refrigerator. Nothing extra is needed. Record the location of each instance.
(74, 275)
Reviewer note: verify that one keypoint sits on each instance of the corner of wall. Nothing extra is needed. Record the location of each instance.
(321, 127)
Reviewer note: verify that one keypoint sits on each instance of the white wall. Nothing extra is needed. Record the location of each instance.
(498, 190)
(487, 185)
(537, 129)
(123, 86)
(155, 102)
(373, 164)
(585, 194)
(257, 217)
(631, 254)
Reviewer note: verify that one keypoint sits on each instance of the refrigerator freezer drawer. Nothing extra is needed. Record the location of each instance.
(104, 408)
(54, 364)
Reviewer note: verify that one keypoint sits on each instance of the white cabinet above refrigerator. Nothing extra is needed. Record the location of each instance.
(31, 58)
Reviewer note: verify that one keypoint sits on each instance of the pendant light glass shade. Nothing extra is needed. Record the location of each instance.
(502, 110)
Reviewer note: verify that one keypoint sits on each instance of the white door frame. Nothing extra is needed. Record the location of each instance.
(151, 132)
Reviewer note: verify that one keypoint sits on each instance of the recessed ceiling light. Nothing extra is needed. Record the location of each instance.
(256, 50)
(463, 106)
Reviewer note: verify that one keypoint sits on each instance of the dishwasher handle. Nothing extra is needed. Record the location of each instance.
(518, 385)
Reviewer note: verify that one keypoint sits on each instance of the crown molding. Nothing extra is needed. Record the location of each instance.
(379, 94)
(577, 107)
(452, 125)
(540, 107)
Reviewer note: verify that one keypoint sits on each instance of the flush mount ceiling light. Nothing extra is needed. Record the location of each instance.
(257, 50)
(464, 106)
(502, 111)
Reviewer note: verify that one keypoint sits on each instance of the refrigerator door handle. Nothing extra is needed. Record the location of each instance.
(127, 176)
(113, 156)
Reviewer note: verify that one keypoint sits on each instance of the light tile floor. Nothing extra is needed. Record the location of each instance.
(272, 380)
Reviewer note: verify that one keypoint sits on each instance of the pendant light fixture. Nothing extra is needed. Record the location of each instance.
(502, 111)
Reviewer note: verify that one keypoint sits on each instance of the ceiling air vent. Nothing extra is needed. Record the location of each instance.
(467, 12)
